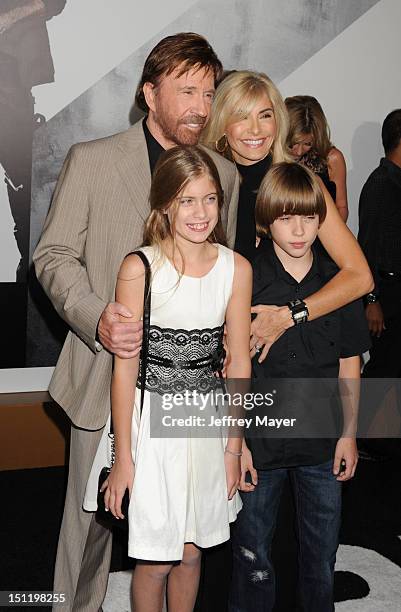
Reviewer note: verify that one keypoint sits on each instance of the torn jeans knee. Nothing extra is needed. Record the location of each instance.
(256, 575)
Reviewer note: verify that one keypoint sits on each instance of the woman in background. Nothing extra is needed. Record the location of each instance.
(309, 143)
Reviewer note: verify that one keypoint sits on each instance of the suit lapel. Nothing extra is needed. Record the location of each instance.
(132, 164)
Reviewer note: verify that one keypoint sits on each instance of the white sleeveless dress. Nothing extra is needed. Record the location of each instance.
(179, 493)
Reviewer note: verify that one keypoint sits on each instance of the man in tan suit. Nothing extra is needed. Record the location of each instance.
(96, 218)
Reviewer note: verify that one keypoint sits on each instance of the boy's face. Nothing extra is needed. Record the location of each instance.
(294, 234)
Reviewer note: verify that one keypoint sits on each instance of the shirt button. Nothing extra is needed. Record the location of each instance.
(293, 355)
(296, 289)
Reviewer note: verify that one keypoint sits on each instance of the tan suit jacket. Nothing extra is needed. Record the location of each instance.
(96, 218)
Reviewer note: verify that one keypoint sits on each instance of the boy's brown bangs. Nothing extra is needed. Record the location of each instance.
(288, 189)
(302, 203)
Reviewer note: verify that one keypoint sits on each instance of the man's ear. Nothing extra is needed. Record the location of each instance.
(149, 92)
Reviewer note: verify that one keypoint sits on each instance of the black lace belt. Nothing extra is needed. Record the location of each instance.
(214, 361)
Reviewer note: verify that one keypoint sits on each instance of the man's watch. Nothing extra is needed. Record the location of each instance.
(299, 311)
(371, 298)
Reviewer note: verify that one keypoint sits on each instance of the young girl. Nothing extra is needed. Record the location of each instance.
(183, 491)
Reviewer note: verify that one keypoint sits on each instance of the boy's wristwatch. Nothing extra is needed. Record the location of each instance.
(299, 311)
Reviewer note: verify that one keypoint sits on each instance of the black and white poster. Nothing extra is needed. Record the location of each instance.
(68, 73)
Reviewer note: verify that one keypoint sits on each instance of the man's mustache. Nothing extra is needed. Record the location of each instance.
(194, 120)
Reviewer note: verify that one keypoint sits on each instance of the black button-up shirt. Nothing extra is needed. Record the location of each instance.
(380, 220)
(308, 351)
(154, 147)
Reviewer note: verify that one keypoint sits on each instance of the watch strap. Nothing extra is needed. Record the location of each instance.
(299, 311)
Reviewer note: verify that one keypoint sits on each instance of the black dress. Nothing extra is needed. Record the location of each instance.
(315, 163)
(252, 176)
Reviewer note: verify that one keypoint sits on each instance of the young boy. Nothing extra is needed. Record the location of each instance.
(289, 209)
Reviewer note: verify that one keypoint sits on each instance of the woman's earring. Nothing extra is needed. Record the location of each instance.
(221, 149)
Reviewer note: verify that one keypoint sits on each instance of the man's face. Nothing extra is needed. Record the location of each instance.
(181, 105)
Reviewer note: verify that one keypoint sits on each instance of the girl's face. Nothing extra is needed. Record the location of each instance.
(197, 211)
(301, 145)
(251, 138)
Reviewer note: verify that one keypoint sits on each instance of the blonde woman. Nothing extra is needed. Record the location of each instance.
(309, 143)
(249, 125)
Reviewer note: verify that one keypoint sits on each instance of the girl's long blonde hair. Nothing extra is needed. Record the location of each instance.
(175, 168)
(235, 97)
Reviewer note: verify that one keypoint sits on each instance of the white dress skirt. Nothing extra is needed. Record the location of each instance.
(179, 493)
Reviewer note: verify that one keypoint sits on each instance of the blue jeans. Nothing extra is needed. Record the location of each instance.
(317, 496)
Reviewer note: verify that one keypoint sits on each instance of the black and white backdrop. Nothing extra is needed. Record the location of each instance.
(69, 75)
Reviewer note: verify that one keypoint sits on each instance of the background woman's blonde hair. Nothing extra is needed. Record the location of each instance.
(235, 98)
(288, 189)
(307, 117)
(175, 168)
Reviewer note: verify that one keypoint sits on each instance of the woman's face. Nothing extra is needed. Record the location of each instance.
(251, 138)
(301, 145)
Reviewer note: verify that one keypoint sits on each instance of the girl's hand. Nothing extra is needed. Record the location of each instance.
(233, 473)
(247, 466)
(121, 478)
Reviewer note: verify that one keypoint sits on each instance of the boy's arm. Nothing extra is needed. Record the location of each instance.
(346, 449)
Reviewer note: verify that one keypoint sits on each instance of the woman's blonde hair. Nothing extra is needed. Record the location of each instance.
(175, 168)
(288, 189)
(235, 98)
(307, 117)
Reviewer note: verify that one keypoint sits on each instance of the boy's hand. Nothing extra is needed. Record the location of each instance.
(346, 450)
(247, 466)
